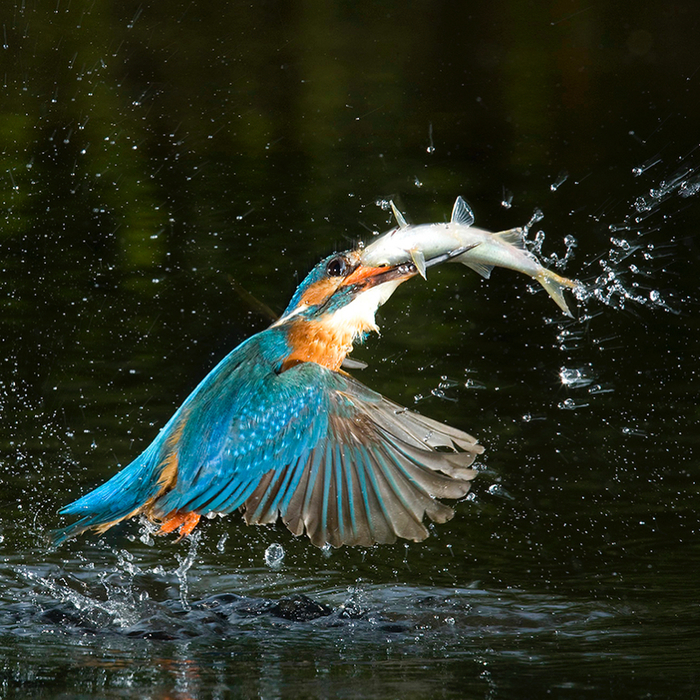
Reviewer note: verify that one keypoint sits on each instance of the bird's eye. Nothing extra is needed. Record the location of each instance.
(337, 267)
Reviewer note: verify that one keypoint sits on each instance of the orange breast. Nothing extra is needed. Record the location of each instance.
(314, 342)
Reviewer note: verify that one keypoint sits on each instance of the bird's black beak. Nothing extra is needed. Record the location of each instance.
(364, 277)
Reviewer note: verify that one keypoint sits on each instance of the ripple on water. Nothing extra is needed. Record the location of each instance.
(137, 604)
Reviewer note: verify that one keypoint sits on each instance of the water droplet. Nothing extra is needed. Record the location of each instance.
(575, 377)
(639, 169)
(571, 405)
(383, 204)
(561, 179)
(274, 555)
(431, 146)
(498, 490)
(537, 215)
(507, 199)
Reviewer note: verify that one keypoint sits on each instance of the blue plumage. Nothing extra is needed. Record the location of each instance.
(298, 439)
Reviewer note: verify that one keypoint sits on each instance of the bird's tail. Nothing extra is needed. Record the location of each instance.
(127, 493)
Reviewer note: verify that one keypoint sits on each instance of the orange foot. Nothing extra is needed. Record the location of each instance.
(184, 520)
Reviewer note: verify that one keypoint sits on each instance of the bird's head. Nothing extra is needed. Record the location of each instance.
(336, 304)
(342, 290)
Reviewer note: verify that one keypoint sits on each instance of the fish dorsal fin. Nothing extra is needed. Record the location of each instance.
(419, 261)
(462, 213)
(513, 236)
(400, 220)
(483, 269)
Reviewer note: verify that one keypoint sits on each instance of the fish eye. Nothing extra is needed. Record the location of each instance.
(337, 267)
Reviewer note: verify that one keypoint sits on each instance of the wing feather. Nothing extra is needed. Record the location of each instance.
(320, 450)
(376, 474)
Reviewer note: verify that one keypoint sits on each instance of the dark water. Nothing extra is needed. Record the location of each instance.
(152, 153)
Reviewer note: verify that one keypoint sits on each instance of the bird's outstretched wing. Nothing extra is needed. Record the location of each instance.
(320, 450)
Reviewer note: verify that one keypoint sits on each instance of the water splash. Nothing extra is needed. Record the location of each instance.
(690, 187)
(535, 244)
(186, 563)
(537, 216)
(649, 203)
(120, 609)
(628, 271)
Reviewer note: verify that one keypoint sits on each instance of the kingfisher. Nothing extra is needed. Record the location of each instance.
(280, 430)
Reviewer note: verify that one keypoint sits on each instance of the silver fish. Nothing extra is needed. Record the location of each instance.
(458, 241)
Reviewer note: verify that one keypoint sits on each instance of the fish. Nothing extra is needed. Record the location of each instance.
(459, 241)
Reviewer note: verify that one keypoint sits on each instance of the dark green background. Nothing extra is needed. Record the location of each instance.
(152, 153)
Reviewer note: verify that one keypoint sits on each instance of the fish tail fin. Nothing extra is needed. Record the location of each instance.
(554, 285)
(126, 494)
